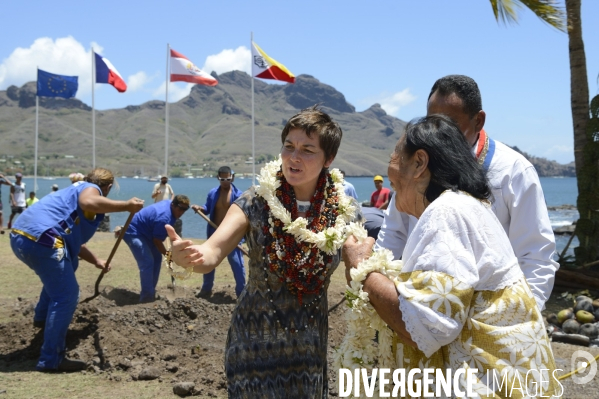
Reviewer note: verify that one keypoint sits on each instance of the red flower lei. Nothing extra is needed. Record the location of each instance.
(301, 265)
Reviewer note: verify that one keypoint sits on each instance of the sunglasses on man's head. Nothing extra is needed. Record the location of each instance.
(225, 178)
(182, 207)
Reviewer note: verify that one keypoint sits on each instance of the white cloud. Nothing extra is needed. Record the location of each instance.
(393, 103)
(138, 80)
(229, 60)
(175, 91)
(63, 56)
(559, 150)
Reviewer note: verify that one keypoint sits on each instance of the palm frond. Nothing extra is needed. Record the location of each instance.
(547, 10)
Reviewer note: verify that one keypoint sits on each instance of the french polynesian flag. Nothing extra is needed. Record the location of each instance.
(183, 70)
(107, 73)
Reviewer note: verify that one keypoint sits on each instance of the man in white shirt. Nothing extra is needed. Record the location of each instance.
(518, 200)
(6, 181)
(163, 191)
(17, 198)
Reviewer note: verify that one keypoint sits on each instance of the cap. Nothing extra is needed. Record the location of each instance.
(378, 178)
(18, 174)
(55, 186)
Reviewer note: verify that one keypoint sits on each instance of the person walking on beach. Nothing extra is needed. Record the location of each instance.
(18, 200)
(163, 191)
(380, 196)
(518, 200)
(278, 339)
(50, 238)
(217, 205)
(3, 180)
(145, 238)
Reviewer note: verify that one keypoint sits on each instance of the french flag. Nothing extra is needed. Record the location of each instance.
(107, 73)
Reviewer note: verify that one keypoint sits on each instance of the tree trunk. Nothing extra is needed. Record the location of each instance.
(585, 147)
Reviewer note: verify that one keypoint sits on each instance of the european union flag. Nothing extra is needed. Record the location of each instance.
(51, 85)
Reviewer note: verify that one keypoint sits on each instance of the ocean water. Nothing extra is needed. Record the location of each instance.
(557, 191)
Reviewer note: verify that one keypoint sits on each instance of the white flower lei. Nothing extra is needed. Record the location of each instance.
(329, 240)
(357, 349)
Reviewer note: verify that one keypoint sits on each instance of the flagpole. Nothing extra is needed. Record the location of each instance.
(37, 106)
(93, 110)
(253, 145)
(168, 53)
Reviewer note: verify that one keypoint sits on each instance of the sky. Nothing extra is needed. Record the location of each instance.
(386, 52)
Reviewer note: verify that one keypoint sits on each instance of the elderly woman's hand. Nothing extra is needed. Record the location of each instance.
(355, 252)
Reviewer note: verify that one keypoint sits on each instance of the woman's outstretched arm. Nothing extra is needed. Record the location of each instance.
(205, 257)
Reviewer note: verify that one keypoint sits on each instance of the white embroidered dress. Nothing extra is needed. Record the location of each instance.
(466, 303)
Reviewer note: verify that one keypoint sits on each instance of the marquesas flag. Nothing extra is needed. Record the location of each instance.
(51, 85)
(107, 73)
(183, 70)
(264, 67)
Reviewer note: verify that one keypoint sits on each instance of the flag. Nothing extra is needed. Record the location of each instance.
(51, 85)
(107, 73)
(265, 67)
(183, 70)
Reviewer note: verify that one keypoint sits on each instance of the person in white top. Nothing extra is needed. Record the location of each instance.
(18, 199)
(163, 191)
(6, 181)
(460, 303)
(518, 200)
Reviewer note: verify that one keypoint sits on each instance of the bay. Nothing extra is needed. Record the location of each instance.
(557, 191)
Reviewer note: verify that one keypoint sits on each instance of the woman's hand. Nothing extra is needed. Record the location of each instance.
(183, 252)
(135, 204)
(354, 252)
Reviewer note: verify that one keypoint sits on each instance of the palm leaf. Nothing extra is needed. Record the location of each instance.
(548, 10)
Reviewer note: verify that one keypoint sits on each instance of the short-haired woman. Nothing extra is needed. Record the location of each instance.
(278, 339)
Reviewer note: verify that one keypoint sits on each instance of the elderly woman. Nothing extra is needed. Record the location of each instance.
(277, 343)
(462, 301)
(50, 238)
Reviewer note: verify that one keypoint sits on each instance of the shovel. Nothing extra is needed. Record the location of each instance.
(114, 248)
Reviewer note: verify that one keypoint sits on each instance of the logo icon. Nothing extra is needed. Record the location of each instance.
(192, 69)
(57, 85)
(260, 61)
(575, 362)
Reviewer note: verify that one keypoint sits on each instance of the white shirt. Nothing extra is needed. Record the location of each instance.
(520, 207)
(458, 236)
(166, 192)
(19, 195)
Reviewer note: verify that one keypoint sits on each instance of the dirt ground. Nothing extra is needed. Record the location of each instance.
(178, 338)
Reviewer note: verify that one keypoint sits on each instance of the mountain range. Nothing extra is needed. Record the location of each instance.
(209, 128)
